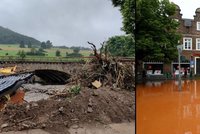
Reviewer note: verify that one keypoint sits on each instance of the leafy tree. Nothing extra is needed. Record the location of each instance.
(29, 44)
(127, 9)
(66, 54)
(33, 50)
(76, 50)
(22, 44)
(21, 54)
(121, 45)
(48, 44)
(41, 50)
(43, 45)
(58, 53)
(156, 36)
(75, 53)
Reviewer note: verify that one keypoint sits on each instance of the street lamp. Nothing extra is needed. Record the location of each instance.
(180, 48)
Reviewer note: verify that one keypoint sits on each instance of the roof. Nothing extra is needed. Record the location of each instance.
(198, 10)
(188, 22)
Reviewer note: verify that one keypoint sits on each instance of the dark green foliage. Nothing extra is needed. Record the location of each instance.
(29, 44)
(35, 52)
(41, 50)
(121, 46)
(8, 36)
(21, 54)
(66, 54)
(75, 89)
(127, 8)
(64, 47)
(75, 53)
(76, 50)
(91, 54)
(46, 45)
(58, 53)
(124, 48)
(43, 45)
(22, 45)
(49, 44)
(156, 37)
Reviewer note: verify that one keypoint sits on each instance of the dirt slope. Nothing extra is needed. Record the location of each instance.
(57, 114)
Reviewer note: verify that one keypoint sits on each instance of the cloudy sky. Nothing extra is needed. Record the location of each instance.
(64, 22)
(188, 7)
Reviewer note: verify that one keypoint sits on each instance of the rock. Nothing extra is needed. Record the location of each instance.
(95, 93)
(27, 107)
(75, 126)
(66, 124)
(34, 104)
(90, 110)
(114, 85)
(25, 125)
(4, 125)
(90, 102)
(43, 125)
(75, 119)
(61, 109)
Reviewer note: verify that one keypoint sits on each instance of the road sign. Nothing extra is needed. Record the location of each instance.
(180, 48)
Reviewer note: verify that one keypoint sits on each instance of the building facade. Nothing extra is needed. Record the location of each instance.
(190, 31)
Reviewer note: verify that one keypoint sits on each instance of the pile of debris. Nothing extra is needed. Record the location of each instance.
(105, 70)
(89, 106)
(92, 95)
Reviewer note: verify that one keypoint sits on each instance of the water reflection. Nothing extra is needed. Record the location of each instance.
(162, 109)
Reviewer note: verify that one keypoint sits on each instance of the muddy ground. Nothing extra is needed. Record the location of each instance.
(62, 109)
(57, 108)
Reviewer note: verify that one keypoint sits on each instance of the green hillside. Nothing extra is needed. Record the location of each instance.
(8, 36)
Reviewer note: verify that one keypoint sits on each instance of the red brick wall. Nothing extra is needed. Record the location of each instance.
(188, 32)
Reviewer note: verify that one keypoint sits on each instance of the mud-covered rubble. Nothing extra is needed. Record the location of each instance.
(101, 91)
(99, 105)
(36, 92)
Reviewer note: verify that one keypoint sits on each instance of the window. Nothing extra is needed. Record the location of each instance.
(198, 26)
(187, 43)
(197, 43)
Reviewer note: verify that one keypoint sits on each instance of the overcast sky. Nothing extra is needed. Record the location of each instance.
(188, 7)
(64, 22)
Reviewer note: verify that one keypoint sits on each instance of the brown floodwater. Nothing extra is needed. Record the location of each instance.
(162, 109)
(17, 98)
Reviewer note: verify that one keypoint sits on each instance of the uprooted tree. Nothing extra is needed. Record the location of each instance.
(107, 70)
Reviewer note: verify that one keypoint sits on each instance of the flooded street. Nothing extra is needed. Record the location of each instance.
(162, 109)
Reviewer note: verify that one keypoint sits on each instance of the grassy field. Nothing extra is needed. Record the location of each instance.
(12, 50)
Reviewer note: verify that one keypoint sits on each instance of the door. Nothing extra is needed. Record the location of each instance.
(198, 66)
